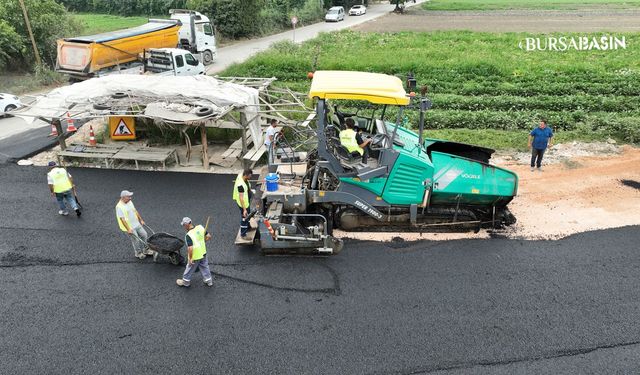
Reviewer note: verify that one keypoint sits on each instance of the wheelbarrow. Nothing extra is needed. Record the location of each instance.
(165, 244)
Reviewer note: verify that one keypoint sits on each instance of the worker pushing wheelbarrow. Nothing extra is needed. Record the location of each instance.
(165, 244)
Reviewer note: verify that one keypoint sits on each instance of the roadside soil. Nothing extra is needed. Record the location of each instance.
(537, 21)
(573, 194)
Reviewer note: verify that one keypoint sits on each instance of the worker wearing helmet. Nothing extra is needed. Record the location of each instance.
(196, 253)
(353, 141)
(62, 187)
(242, 196)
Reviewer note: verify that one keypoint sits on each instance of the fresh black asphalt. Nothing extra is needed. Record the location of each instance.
(29, 143)
(74, 300)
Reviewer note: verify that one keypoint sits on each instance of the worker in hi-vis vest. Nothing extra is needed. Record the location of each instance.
(353, 141)
(196, 253)
(131, 223)
(242, 194)
(62, 187)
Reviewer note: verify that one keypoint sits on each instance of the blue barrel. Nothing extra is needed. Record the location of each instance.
(272, 181)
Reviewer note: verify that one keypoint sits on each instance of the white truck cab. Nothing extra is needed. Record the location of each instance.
(163, 62)
(196, 34)
(172, 61)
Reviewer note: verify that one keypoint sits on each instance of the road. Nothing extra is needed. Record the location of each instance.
(20, 138)
(75, 300)
(23, 140)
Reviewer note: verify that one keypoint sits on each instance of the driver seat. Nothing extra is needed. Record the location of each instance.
(345, 156)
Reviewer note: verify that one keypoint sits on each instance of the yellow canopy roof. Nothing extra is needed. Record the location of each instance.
(373, 87)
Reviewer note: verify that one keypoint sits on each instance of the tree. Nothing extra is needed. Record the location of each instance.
(11, 44)
(49, 21)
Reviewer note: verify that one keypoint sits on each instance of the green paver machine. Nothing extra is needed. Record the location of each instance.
(408, 183)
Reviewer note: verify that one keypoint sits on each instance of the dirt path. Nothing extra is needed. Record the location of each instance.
(572, 195)
(588, 20)
(595, 192)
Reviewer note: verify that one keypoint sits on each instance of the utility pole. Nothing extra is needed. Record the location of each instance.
(33, 41)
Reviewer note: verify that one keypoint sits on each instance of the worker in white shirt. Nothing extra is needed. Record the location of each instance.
(62, 187)
(131, 223)
(270, 139)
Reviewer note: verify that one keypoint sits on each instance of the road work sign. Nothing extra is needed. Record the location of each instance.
(122, 128)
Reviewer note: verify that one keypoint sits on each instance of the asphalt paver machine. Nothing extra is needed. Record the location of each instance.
(408, 183)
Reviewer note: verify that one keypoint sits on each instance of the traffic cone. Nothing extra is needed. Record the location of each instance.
(54, 130)
(92, 137)
(70, 127)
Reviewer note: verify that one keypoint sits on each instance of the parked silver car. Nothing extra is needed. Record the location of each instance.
(334, 14)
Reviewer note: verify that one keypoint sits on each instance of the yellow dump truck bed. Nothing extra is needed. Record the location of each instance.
(83, 56)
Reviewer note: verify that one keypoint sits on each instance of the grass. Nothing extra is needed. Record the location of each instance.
(100, 23)
(527, 4)
(480, 80)
(28, 83)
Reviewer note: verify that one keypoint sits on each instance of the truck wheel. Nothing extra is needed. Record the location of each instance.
(207, 58)
(119, 95)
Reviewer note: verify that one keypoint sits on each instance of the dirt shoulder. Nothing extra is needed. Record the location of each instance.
(577, 195)
(543, 21)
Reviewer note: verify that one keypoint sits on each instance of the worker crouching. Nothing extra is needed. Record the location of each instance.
(196, 253)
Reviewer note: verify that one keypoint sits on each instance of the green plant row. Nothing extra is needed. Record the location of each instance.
(589, 103)
(531, 88)
(627, 125)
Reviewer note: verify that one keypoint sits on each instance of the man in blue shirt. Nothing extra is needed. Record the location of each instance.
(539, 140)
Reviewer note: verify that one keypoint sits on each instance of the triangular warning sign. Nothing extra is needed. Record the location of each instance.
(122, 129)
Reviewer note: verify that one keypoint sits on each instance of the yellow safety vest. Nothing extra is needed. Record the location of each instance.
(348, 140)
(61, 181)
(199, 247)
(236, 195)
(126, 217)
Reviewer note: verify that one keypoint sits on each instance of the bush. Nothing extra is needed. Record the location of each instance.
(629, 129)
(310, 12)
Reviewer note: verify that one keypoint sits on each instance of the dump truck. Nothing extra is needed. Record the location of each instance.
(409, 183)
(95, 55)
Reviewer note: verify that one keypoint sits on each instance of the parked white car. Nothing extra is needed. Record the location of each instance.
(357, 10)
(8, 103)
(334, 14)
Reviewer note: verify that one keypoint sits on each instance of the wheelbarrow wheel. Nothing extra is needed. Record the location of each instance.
(175, 258)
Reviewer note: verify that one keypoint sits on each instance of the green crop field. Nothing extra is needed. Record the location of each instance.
(482, 80)
(100, 23)
(527, 4)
